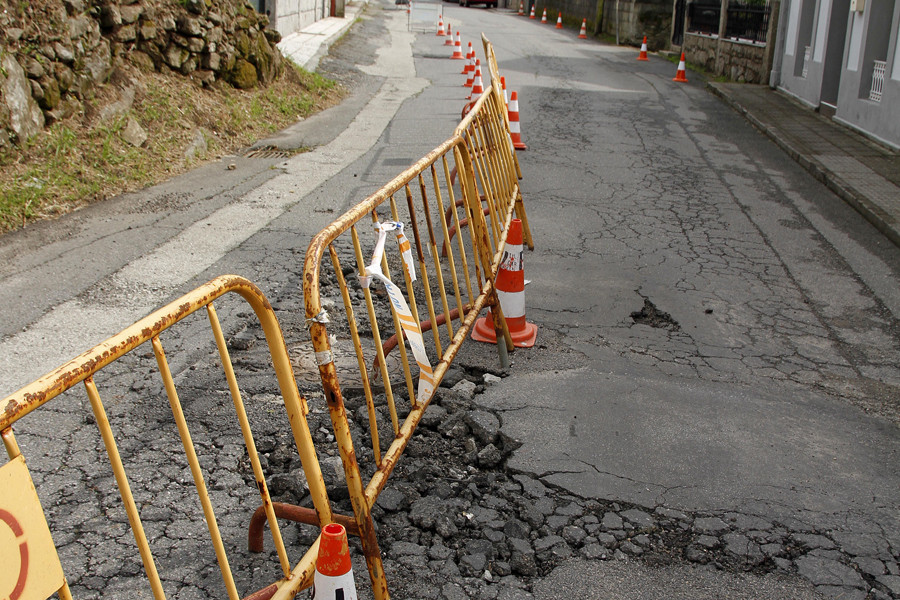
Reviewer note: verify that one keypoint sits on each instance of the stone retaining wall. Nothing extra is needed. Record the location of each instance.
(53, 54)
(739, 61)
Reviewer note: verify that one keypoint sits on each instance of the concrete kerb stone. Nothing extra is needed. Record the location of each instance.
(307, 46)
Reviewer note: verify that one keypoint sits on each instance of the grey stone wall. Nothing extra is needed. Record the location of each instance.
(54, 54)
(652, 18)
(741, 62)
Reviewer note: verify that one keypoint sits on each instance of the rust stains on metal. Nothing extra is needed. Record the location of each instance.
(486, 169)
(294, 513)
(87, 364)
(263, 594)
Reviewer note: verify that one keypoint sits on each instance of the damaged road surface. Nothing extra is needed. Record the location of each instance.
(711, 409)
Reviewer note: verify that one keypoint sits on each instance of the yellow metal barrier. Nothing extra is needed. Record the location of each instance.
(29, 545)
(472, 178)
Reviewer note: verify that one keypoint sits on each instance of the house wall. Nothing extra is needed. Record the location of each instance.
(876, 39)
(804, 20)
(289, 16)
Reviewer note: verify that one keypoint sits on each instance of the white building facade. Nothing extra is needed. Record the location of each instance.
(290, 16)
(842, 58)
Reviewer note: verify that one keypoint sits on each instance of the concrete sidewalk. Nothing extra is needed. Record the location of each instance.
(307, 46)
(862, 172)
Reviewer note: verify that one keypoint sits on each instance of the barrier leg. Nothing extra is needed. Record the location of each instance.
(520, 214)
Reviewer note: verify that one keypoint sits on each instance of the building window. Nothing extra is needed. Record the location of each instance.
(747, 21)
(877, 81)
(704, 16)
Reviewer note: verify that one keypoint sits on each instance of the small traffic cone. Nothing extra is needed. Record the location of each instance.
(515, 131)
(449, 40)
(477, 87)
(680, 74)
(334, 571)
(643, 54)
(521, 9)
(457, 48)
(440, 30)
(503, 87)
(544, 17)
(476, 65)
(559, 21)
(582, 35)
(510, 285)
(470, 57)
(531, 16)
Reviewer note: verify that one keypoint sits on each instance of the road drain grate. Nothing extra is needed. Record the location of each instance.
(269, 152)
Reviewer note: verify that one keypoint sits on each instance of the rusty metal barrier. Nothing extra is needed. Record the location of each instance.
(472, 178)
(40, 573)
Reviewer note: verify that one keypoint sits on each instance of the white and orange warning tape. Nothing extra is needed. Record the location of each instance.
(398, 302)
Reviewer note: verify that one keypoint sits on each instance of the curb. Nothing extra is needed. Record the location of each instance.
(862, 204)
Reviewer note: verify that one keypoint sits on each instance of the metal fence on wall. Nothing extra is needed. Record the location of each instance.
(747, 21)
(704, 16)
(744, 21)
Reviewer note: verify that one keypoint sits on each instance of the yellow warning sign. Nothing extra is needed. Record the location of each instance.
(30, 566)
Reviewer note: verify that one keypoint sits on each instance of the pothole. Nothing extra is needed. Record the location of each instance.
(652, 316)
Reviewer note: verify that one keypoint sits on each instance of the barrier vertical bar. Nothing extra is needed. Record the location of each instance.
(424, 270)
(398, 330)
(373, 321)
(435, 256)
(459, 238)
(481, 240)
(196, 471)
(248, 438)
(112, 451)
(361, 508)
(360, 357)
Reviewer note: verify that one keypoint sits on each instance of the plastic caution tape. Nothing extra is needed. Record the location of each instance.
(398, 302)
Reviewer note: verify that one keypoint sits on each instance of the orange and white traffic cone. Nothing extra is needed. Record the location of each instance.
(582, 35)
(643, 54)
(680, 74)
(510, 285)
(334, 571)
(440, 30)
(470, 61)
(457, 48)
(531, 16)
(521, 9)
(475, 64)
(544, 17)
(515, 131)
(559, 21)
(449, 40)
(503, 87)
(478, 86)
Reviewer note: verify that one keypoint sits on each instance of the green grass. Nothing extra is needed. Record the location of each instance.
(76, 162)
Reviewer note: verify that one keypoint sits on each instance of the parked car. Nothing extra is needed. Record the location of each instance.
(487, 3)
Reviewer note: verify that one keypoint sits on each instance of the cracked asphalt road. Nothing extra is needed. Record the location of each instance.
(738, 439)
